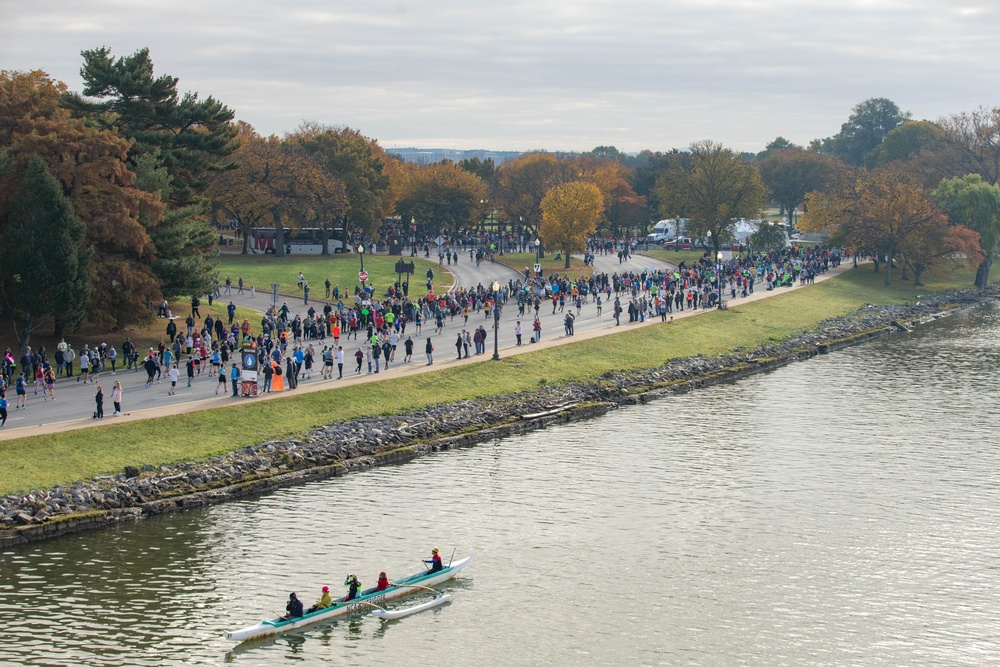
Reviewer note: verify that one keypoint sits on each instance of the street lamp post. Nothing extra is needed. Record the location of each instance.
(361, 254)
(496, 321)
(718, 277)
(538, 249)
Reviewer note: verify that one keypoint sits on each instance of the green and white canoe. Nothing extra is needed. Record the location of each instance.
(366, 601)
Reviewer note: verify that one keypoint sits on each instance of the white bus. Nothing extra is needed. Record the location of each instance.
(305, 241)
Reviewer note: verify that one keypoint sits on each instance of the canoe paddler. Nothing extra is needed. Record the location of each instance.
(324, 601)
(383, 582)
(354, 585)
(294, 608)
(435, 561)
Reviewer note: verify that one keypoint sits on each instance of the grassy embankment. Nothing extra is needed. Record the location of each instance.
(342, 269)
(43, 461)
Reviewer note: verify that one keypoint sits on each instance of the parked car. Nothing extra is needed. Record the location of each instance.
(679, 243)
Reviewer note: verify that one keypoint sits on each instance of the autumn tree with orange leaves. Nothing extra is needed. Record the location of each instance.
(521, 184)
(277, 183)
(359, 163)
(238, 194)
(90, 164)
(889, 213)
(443, 195)
(569, 216)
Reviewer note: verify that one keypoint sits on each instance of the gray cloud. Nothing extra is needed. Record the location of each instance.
(540, 74)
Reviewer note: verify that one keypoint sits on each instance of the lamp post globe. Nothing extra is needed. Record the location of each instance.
(496, 320)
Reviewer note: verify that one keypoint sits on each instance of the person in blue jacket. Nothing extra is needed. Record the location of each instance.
(294, 608)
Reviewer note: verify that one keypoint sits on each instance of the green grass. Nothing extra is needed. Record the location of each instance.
(43, 461)
(550, 266)
(342, 269)
(691, 257)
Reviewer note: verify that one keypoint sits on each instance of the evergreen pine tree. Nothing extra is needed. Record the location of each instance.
(181, 139)
(45, 266)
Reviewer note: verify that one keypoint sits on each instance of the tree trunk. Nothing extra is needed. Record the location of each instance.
(983, 272)
(279, 233)
(567, 260)
(916, 277)
(888, 265)
(24, 336)
(875, 262)
(325, 238)
(246, 242)
(59, 331)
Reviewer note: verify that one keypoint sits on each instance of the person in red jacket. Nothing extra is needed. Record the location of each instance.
(383, 582)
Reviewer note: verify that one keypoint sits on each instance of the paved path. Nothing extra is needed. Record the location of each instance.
(75, 401)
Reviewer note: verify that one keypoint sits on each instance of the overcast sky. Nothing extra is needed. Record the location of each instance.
(538, 74)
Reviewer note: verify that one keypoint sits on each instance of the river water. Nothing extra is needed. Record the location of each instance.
(840, 511)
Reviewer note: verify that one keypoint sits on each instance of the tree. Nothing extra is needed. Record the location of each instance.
(624, 208)
(791, 173)
(868, 124)
(238, 193)
(714, 191)
(974, 140)
(484, 169)
(45, 266)
(907, 142)
(768, 236)
(569, 216)
(652, 167)
(778, 144)
(91, 166)
(605, 153)
(971, 202)
(443, 195)
(297, 188)
(886, 211)
(349, 157)
(522, 183)
(188, 137)
(924, 251)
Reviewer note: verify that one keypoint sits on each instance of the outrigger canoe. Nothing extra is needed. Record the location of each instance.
(366, 601)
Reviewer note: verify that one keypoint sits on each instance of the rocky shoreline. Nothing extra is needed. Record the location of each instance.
(348, 446)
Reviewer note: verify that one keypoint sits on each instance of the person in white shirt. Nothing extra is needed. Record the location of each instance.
(340, 363)
(393, 341)
(172, 374)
